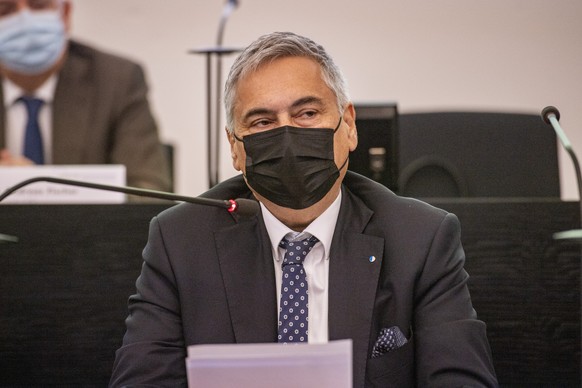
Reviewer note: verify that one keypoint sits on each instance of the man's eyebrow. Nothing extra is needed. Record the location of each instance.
(296, 104)
(307, 100)
(258, 112)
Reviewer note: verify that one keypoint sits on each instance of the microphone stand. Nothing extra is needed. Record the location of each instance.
(213, 104)
(551, 115)
(241, 206)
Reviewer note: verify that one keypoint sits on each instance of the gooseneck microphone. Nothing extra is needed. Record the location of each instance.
(241, 206)
(228, 9)
(551, 115)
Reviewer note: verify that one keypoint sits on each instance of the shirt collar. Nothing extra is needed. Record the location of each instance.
(13, 92)
(322, 227)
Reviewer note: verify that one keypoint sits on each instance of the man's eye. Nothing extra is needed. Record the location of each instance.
(309, 114)
(261, 123)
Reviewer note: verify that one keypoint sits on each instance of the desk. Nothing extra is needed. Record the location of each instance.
(64, 288)
(525, 286)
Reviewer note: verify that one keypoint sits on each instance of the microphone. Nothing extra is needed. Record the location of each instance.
(213, 142)
(229, 8)
(241, 206)
(551, 115)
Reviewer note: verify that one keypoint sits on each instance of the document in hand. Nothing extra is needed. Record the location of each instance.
(271, 365)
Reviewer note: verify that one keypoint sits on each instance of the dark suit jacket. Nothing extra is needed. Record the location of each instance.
(209, 278)
(101, 115)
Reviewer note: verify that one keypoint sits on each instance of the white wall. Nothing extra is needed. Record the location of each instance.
(504, 55)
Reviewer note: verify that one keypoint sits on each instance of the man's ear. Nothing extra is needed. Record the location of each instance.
(349, 118)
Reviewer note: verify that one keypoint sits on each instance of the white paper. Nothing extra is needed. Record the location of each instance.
(53, 193)
(270, 365)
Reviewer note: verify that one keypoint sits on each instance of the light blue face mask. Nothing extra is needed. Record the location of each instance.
(31, 42)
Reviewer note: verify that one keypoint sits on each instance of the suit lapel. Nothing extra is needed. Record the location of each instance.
(71, 126)
(355, 263)
(246, 263)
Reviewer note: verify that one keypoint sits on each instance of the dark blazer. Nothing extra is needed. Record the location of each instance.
(101, 115)
(209, 278)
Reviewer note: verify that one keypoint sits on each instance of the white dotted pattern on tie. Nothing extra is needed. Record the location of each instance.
(293, 313)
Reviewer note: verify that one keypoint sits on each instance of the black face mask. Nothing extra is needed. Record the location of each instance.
(291, 167)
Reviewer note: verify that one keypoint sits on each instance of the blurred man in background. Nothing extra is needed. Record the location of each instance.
(67, 103)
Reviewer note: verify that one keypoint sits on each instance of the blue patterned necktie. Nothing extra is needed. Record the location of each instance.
(293, 311)
(32, 137)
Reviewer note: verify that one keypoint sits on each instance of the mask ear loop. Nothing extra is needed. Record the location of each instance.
(236, 137)
(338, 125)
(241, 140)
(348, 157)
(344, 163)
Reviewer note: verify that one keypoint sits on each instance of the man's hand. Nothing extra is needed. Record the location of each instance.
(6, 159)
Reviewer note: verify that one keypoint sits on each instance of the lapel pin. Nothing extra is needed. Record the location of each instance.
(372, 259)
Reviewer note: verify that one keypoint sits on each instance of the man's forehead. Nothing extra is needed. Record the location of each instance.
(286, 76)
(276, 66)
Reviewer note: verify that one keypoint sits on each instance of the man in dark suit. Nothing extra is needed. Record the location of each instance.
(94, 106)
(384, 271)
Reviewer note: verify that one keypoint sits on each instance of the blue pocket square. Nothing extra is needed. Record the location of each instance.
(390, 338)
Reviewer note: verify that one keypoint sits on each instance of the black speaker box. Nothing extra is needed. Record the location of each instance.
(376, 156)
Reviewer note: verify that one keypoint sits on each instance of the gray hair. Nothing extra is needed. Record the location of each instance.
(279, 45)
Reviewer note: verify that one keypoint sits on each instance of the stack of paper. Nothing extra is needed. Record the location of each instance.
(270, 365)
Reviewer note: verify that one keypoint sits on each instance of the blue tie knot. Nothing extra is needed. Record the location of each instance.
(297, 250)
(33, 105)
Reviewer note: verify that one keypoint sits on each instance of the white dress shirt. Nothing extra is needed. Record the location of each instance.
(316, 264)
(17, 116)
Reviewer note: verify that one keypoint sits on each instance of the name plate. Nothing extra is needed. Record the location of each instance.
(56, 193)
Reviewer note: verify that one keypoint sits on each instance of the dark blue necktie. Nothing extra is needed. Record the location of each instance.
(32, 137)
(293, 312)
